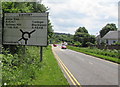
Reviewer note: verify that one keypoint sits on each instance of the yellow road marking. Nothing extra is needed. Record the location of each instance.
(69, 74)
(66, 73)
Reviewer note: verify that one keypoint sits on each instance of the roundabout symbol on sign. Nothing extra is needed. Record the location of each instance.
(26, 35)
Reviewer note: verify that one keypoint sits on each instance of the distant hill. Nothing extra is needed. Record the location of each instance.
(59, 37)
(61, 33)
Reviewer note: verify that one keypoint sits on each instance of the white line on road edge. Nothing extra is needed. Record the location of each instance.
(90, 62)
(94, 57)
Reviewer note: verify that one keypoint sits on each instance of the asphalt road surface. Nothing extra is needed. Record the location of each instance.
(88, 70)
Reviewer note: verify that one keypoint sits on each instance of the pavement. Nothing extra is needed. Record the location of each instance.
(87, 70)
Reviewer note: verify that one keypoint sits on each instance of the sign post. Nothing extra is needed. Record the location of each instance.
(28, 29)
(41, 55)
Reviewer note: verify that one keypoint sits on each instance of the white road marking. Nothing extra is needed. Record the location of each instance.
(91, 63)
(97, 58)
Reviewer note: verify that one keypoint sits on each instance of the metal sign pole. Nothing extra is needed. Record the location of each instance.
(41, 49)
(24, 51)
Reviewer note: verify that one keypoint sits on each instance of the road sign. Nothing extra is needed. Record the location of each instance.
(25, 29)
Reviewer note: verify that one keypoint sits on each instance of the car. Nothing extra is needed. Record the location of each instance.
(63, 47)
(55, 45)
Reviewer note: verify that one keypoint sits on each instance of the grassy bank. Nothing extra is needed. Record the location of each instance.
(20, 69)
(104, 54)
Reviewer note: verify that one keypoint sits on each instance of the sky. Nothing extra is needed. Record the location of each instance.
(67, 16)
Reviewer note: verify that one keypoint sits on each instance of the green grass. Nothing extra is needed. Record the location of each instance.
(51, 73)
(103, 54)
(25, 69)
(0, 70)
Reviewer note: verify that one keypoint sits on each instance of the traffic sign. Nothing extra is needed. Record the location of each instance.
(25, 29)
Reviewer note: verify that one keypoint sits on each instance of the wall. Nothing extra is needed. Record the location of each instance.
(110, 42)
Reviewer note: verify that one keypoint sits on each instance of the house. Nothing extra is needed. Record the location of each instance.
(111, 37)
(98, 39)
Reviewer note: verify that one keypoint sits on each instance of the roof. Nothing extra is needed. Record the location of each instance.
(112, 35)
(98, 36)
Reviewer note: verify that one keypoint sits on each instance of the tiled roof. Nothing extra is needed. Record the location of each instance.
(112, 35)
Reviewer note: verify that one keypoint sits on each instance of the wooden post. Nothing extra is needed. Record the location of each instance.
(41, 49)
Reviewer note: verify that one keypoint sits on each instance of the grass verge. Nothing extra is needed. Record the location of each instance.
(51, 73)
(25, 69)
(94, 53)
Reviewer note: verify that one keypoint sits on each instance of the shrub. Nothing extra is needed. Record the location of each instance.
(78, 44)
(15, 69)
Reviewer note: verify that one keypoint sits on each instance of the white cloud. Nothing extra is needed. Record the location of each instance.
(92, 14)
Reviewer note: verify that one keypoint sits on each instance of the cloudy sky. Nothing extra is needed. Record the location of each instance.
(68, 15)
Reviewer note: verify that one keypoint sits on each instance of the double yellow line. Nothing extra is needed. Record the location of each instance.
(68, 73)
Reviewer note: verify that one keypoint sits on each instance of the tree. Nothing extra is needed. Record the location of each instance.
(107, 28)
(82, 36)
(92, 39)
(15, 7)
(77, 43)
(50, 30)
(62, 37)
(81, 30)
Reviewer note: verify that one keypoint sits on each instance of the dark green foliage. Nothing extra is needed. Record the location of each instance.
(77, 44)
(82, 36)
(81, 30)
(19, 69)
(50, 31)
(22, 7)
(89, 44)
(107, 28)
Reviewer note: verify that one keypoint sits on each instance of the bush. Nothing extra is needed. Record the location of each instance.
(15, 69)
(26, 68)
(78, 44)
(117, 43)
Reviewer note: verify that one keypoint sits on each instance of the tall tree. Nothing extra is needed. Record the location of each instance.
(82, 36)
(50, 30)
(81, 30)
(107, 28)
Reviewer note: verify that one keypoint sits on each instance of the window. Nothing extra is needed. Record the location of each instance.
(114, 41)
(107, 41)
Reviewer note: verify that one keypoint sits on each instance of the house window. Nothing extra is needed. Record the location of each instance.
(114, 41)
(107, 41)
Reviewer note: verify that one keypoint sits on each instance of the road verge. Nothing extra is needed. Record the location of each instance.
(93, 53)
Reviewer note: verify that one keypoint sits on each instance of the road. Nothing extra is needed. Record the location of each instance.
(88, 70)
